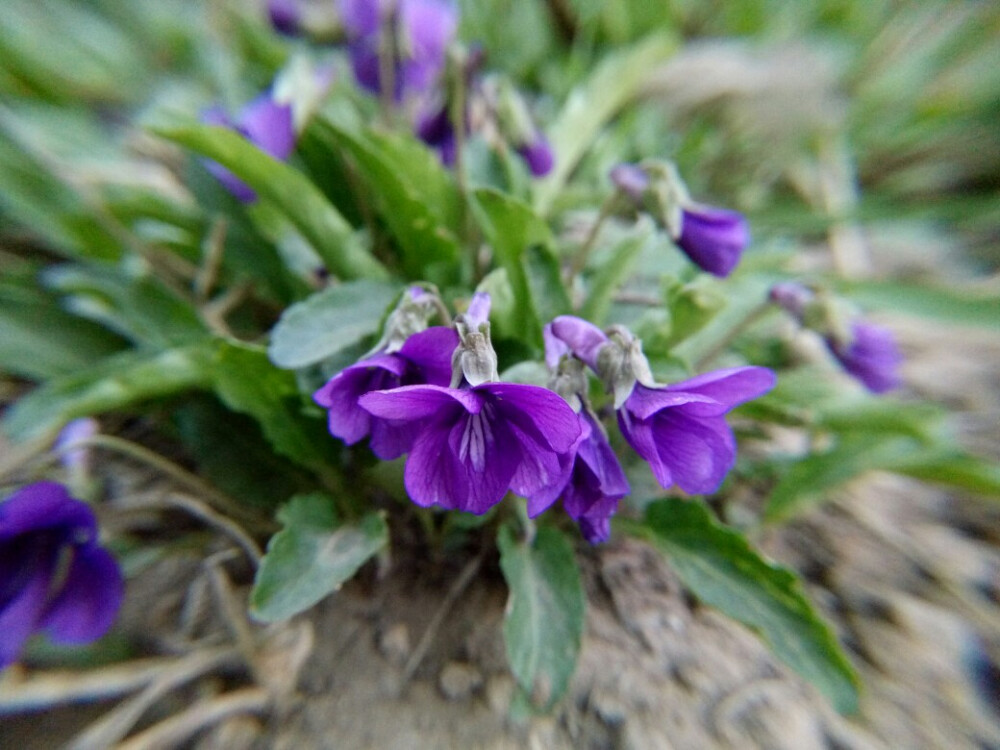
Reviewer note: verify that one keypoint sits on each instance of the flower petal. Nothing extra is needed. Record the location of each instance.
(714, 238)
(730, 387)
(639, 434)
(431, 351)
(644, 401)
(411, 402)
(699, 452)
(340, 396)
(537, 411)
(20, 615)
(89, 600)
(45, 505)
(269, 126)
(583, 338)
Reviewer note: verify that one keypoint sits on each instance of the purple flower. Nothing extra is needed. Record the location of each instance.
(286, 16)
(434, 127)
(43, 529)
(266, 124)
(872, 356)
(681, 429)
(477, 443)
(424, 29)
(538, 155)
(76, 458)
(425, 358)
(596, 482)
(713, 238)
(792, 297)
(631, 179)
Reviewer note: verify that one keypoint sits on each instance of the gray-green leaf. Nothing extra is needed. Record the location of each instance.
(312, 556)
(328, 321)
(543, 624)
(722, 570)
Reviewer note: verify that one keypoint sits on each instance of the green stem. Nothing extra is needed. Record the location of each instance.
(752, 317)
(579, 261)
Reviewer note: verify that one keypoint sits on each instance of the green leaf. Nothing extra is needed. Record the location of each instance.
(954, 468)
(311, 557)
(615, 82)
(115, 383)
(328, 321)
(38, 339)
(961, 306)
(610, 275)
(543, 624)
(138, 307)
(247, 382)
(810, 477)
(721, 569)
(38, 198)
(415, 195)
(301, 201)
(511, 227)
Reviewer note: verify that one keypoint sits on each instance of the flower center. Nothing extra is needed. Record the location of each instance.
(478, 434)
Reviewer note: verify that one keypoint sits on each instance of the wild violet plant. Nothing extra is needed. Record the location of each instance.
(438, 293)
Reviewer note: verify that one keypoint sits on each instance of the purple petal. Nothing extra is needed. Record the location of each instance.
(429, 26)
(730, 387)
(285, 15)
(583, 338)
(45, 505)
(465, 464)
(639, 434)
(537, 411)
(430, 351)
(872, 357)
(539, 156)
(19, 615)
(555, 347)
(714, 238)
(792, 297)
(341, 395)
(233, 184)
(479, 309)
(644, 401)
(89, 600)
(631, 179)
(268, 125)
(542, 473)
(360, 17)
(595, 529)
(73, 433)
(412, 402)
(699, 452)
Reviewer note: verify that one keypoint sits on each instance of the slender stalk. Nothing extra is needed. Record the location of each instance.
(579, 261)
(752, 317)
(387, 66)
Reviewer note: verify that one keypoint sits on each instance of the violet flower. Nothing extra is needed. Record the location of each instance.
(596, 483)
(285, 16)
(266, 124)
(42, 529)
(538, 155)
(477, 443)
(434, 127)
(868, 352)
(713, 238)
(423, 29)
(425, 358)
(871, 356)
(681, 431)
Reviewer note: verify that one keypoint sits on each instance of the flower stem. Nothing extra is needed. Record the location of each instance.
(579, 261)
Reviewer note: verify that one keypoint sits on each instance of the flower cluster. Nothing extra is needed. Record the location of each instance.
(712, 238)
(406, 45)
(54, 576)
(868, 352)
(472, 440)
